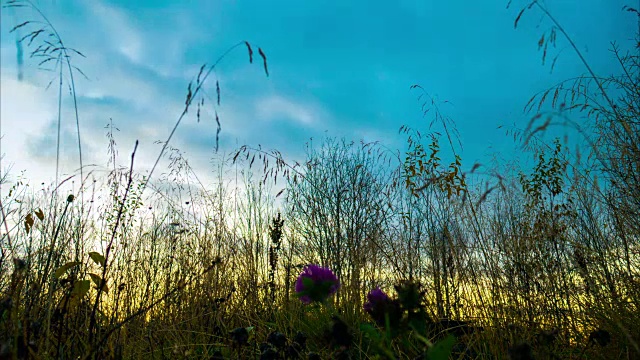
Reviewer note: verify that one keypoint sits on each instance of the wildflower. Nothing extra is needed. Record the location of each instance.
(316, 284)
(379, 304)
(375, 296)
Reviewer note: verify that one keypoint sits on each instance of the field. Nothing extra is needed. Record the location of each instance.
(357, 252)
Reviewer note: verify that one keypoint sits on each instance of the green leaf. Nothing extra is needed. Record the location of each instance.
(377, 341)
(64, 268)
(98, 281)
(80, 288)
(442, 349)
(370, 331)
(97, 258)
(418, 322)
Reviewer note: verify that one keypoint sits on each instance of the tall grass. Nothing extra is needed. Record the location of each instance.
(520, 263)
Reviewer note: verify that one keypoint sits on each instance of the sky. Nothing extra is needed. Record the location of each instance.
(336, 68)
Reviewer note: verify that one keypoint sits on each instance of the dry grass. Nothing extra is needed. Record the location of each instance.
(540, 262)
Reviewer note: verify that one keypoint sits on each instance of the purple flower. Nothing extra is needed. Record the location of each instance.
(379, 305)
(375, 296)
(316, 284)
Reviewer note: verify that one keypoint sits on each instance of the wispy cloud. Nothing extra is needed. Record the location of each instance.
(334, 71)
(123, 34)
(277, 107)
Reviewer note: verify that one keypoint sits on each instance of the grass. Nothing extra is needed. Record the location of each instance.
(490, 263)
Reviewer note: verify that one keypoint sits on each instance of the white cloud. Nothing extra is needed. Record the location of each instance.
(277, 106)
(123, 34)
(133, 82)
(156, 41)
(25, 111)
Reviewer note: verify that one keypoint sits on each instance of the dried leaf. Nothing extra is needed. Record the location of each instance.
(28, 223)
(40, 214)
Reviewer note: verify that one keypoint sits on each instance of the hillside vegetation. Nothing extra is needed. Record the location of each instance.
(419, 255)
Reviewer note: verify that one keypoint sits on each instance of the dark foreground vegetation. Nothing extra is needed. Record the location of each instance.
(419, 257)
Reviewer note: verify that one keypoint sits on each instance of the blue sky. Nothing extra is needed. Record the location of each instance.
(339, 68)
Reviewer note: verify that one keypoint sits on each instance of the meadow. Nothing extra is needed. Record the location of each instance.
(358, 252)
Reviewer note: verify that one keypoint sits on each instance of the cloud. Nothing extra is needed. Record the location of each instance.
(123, 35)
(349, 79)
(25, 110)
(276, 107)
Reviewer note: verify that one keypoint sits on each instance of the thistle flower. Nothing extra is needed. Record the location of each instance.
(379, 304)
(375, 296)
(316, 284)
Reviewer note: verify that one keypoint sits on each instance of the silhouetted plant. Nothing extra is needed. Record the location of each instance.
(546, 248)
(275, 234)
(405, 323)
